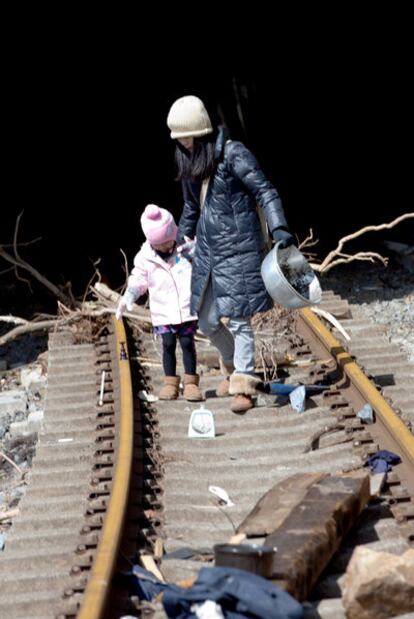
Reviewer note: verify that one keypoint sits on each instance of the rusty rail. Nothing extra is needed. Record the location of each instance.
(93, 604)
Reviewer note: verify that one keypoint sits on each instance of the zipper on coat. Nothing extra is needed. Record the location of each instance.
(178, 296)
(167, 267)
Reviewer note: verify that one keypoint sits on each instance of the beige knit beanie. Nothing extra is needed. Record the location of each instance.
(188, 118)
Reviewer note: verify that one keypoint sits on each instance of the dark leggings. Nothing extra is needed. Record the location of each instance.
(169, 342)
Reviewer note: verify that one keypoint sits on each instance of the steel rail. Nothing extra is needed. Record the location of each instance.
(96, 592)
(389, 419)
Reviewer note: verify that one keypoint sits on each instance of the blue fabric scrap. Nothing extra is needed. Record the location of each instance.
(281, 389)
(143, 583)
(381, 461)
(240, 594)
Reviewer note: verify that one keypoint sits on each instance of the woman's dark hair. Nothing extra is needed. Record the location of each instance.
(200, 163)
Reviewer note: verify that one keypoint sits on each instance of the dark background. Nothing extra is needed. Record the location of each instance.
(327, 113)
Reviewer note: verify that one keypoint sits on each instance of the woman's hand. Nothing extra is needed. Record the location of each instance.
(283, 237)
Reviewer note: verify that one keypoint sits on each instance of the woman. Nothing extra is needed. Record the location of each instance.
(222, 186)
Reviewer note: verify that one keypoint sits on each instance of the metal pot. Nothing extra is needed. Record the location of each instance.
(249, 557)
(301, 289)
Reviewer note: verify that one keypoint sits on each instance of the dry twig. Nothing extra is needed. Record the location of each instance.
(268, 361)
(10, 461)
(124, 287)
(89, 284)
(19, 263)
(309, 241)
(14, 320)
(31, 327)
(337, 256)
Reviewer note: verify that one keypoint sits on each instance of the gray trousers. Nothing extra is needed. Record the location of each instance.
(235, 341)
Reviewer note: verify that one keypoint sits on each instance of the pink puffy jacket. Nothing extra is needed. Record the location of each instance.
(168, 284)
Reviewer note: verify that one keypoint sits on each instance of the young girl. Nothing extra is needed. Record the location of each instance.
(166, 274)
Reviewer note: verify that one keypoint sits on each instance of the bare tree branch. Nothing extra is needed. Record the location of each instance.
(309, 241)
(16, 232)
(109, 297)
(23, 243)
(10, 461)
(31, 327)
(369, 256)
(124, 287)
(327, 263)
(95, 274)
(14, 319)
(16, 253)
(18, 262)
(6, 270)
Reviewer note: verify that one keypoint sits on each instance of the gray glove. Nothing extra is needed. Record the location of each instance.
(284, 236)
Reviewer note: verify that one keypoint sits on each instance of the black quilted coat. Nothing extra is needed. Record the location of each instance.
(230, 245)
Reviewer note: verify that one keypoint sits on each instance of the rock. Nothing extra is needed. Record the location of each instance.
(12, 401)
(5, 421)
(378, 585)
(43, 360)
(391, 306)
(29, 377)
(19, 428)
(34, 421)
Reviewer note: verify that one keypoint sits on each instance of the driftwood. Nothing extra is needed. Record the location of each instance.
(9, 514)
(70, 310)
(14, 320)
(337, 256)
(31, 327)
(106, 304)
(106, 295)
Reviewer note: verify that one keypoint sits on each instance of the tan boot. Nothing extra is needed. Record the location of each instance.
(241, 403)
(242, 386)
(222, 390)
(170, 389)
(192, 392)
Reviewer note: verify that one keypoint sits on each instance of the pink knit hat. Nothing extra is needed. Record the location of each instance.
(158, 225)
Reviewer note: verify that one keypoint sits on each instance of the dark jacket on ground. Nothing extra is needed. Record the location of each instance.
(230, 245)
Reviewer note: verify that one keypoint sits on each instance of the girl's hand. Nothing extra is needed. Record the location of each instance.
(188, 248)
(126, 302)
(120, 309)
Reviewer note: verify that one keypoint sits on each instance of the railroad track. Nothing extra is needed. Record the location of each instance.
(79, 525)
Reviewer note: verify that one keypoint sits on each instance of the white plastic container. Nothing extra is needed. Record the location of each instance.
(201, 424)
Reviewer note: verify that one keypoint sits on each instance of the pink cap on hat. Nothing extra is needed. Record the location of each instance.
(158, 225)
